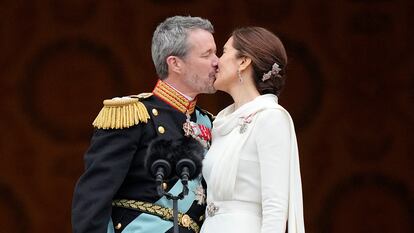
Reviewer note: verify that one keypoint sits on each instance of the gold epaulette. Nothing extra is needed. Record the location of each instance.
(119, 113)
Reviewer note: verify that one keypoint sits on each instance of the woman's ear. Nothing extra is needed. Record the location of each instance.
(244, 63)
(174, 64)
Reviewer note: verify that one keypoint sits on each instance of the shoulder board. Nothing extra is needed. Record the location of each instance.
(121, 112)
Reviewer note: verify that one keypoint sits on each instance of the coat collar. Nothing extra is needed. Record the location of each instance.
(172, 97)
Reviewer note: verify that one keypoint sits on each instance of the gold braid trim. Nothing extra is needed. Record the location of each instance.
(165, 213)
(171, 96)
(119, 113)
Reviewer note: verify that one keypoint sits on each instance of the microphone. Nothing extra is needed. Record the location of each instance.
(159, 160)
(166, 158)
(188, 155)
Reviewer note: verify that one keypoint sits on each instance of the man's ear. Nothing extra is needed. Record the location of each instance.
(174, 64)
(244, 63)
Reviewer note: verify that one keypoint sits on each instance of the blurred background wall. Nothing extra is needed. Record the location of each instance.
(350, 91)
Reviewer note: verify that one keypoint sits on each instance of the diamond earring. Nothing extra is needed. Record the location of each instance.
(240, 77)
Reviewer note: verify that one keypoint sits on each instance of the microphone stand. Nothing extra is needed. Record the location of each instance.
(169, 196)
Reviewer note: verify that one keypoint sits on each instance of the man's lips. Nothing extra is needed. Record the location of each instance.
(213, 75)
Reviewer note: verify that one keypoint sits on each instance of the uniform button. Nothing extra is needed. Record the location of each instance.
(155, 112)
(185, 220)
(161, 129)
(118, 226)
(164, 186)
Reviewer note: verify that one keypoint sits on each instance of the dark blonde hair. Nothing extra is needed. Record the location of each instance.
(265, 49)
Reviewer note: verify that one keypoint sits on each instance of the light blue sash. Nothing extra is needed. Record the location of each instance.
(147, 223)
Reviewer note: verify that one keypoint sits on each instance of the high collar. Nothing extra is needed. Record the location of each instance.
(174, 98)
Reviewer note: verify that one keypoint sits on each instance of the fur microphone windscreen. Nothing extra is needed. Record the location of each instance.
(173, 151)
(189, 148)
(160, 149)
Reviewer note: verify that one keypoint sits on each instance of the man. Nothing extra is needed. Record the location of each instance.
(116, 193)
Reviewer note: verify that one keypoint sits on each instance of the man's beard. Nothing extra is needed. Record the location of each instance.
(203, 86)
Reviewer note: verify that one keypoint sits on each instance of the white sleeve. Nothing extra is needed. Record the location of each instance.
(273, 139)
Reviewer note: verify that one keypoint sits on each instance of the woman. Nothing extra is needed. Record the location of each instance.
(252, 167)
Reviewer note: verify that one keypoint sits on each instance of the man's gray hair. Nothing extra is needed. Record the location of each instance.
(170, 39)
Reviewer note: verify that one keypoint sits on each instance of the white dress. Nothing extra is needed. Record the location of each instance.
(252, 171)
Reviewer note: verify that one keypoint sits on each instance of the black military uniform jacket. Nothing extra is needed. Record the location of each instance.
(115, 162)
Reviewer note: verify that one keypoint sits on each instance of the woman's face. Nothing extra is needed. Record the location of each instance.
(227, 68)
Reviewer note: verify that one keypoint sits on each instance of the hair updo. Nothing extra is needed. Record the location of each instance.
(265, 49)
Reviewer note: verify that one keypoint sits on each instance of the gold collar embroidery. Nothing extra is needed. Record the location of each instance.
(172, 97)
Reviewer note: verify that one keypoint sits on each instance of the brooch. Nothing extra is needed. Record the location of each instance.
(244, 121)
(212, 209)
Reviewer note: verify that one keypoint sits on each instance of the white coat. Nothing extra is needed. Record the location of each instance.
(252, 171)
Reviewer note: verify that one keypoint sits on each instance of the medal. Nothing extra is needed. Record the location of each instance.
(200, 195)
(199, 132)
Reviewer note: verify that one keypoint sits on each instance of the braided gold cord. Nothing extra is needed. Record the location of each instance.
(162, 212)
